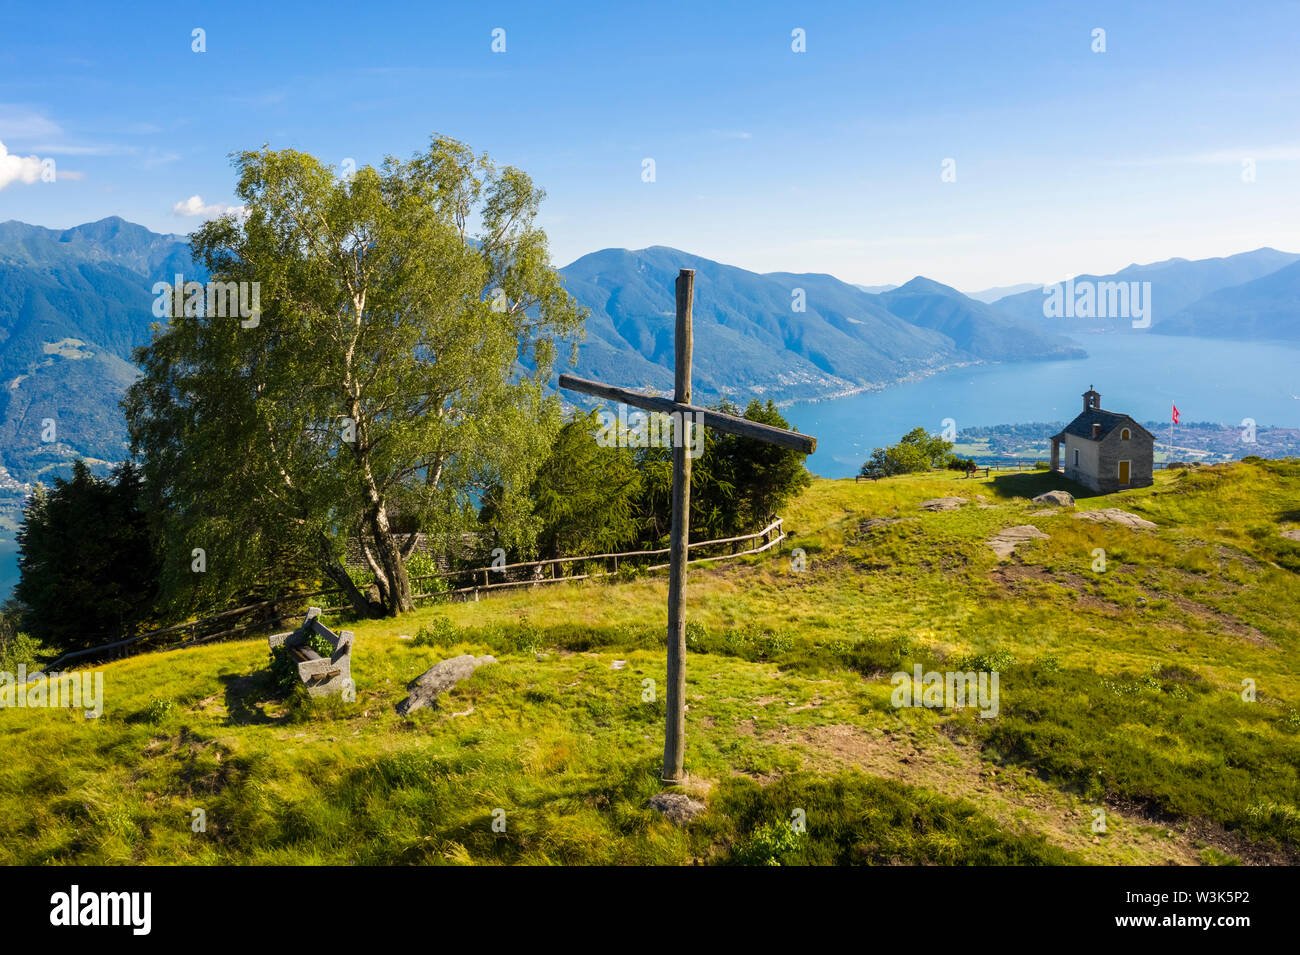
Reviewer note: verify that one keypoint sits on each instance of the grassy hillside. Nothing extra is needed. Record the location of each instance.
(1119, 691)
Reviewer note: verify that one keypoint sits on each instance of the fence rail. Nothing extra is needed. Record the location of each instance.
(1023, 466)
(270, 613)
(259, 615)
(530, 573)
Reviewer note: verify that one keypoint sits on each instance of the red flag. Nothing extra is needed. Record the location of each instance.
(1175, 412)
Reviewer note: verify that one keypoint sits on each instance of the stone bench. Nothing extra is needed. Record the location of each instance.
(323, 676)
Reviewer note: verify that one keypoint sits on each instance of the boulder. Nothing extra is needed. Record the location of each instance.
(1056, 498)
(943, 503)
(1006, 540)
(1293, 535)
(677, 808)
(440, 677)
(1113, 515)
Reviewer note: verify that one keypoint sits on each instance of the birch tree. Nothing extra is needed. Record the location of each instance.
(410, 318)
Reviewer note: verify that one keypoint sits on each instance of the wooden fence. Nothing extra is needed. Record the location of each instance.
(219, 626)
(269, 614)
(986, 468)
(533, 573)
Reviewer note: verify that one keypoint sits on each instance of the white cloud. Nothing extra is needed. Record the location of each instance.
(18, 122)
(61, 149)
(195, 206)
(41, 135)
(24, 169)
(156, 158)
(1284, 153)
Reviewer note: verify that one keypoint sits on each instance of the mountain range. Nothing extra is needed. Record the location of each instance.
(1177, 287)
(75, 303)
(782, 335)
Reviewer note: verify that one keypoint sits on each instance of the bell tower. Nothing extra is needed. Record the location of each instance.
(1091, 399)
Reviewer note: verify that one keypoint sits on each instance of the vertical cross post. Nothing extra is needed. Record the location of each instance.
(675, 730)
(684, 417)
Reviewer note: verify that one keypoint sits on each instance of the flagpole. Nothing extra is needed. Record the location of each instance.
(1173, 417)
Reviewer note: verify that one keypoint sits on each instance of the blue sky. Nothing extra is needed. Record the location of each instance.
(829, 160)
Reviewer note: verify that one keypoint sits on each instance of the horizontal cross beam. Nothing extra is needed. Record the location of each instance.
(803, 443)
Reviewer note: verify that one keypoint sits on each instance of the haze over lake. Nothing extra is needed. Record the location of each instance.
(1138, 374)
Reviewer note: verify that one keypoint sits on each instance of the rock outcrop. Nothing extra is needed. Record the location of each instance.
(439, 678)
(1005, 541)
(1113, 515)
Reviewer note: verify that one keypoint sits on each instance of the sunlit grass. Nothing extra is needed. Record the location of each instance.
(1118, 688)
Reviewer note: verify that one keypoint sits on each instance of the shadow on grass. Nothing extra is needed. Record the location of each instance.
(247, 697)
(1033, 483)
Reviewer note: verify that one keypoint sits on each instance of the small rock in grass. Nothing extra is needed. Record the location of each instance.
(943, 503)
(618, 664)
(1006, 541)
(1058, 498)
(677, 808)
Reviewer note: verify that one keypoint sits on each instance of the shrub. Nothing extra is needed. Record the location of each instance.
(17, 647)
(917, 451)
(988, 661)
(769, 843)
(158, 710)
(441, 633)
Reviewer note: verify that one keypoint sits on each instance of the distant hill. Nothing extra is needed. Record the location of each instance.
(74, 304)
(974, 327)
(751, 340)
(1267, 308)
(990, 295)
(1175, 284)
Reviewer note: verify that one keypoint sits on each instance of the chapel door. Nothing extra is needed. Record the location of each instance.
(1123, 472)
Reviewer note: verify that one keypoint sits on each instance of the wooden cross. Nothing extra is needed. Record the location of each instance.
(680, 406)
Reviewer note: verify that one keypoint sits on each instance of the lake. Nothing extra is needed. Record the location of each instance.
(8, 567)
(1138, 374)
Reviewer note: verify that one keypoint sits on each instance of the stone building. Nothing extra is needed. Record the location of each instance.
(1104, 450)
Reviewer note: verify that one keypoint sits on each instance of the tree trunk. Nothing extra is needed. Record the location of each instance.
(336, 572)
(381, 579)
(397, 600)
